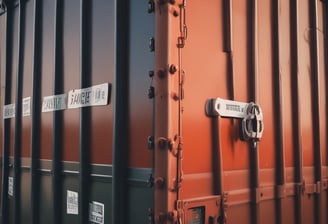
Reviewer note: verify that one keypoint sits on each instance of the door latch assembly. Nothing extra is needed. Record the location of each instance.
(250, 114)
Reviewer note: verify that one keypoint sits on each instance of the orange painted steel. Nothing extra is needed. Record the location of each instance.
(272, 53)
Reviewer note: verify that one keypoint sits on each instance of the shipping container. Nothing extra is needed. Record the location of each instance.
(164, 111)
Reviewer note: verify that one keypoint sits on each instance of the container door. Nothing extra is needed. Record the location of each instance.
(76, 117)
(228, 54)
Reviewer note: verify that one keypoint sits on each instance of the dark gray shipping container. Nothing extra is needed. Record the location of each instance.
(57, 162)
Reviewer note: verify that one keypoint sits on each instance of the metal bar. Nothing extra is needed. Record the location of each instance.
(315, 102)
(253, 74)
(315, 87)
(253, 50)
(36, 114)
(227, 45)
(217, 167)
(7, 126)
(278, 95)
(120, 126)
(294, 30)
(280, 157)
(57, 144)
(227, 25)
(217, 157)
(18, 112)
(85, 113)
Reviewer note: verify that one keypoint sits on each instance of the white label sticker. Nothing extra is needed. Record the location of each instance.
(11, 186)
(72, 202)
(53, 103)
(97, 212)
(9, 111)
(226, 108)
(26, 106)
(92, 96)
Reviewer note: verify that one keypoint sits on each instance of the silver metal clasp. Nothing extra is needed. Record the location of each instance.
(250, 114)
(252, 123)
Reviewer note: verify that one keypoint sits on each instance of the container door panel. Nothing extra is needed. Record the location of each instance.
(266, 52)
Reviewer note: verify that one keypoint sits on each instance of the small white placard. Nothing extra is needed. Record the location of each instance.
(92, 96)
(54, 103)
(26, 106)
(11, 186)
(72, 202)
(96, 212)
(229, 108)
(9, 111)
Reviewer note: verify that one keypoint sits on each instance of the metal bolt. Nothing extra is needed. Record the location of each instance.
(151, 6)
(161, 74)
(151, 92)
(175, 13)
(162, 143)
(173, 69)
(172, 216)
(151, 142)
(159, 182)
(152, 44)
(175, 96)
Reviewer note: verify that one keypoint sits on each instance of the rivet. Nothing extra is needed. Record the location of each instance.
(151, 6)
(151, 74)
(162, 143)
(159, 182)
(152, 44)
(173, 69)
(175, 96)
(151, 92)
(161, 74)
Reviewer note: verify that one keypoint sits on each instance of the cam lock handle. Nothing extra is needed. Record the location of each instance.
(250, 114)
(252, 123)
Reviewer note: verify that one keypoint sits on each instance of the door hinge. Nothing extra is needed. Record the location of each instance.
(151, 45)
(151, 6)
(150, 142)
(183, 25)
(151, 216)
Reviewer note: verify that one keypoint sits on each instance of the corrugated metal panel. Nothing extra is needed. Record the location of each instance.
(165, 157)
(52, 157)
(269, 52)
